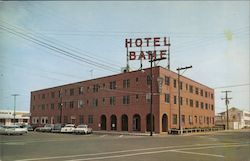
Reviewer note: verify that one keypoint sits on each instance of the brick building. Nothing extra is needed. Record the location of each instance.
(122, 102)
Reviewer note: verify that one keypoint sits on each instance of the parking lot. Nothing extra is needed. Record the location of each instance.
(34, 146)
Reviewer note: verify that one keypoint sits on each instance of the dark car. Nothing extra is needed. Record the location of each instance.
(57, 128)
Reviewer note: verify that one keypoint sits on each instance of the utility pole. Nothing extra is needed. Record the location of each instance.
(227, 102)
(179, 92)
(15, 95)
(61, 105)
(151, 91)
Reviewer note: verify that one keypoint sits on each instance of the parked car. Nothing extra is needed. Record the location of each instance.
(13, 130)
(57, 128)
(68, 128)
(83, 129)
(30, 128)
(47, 128)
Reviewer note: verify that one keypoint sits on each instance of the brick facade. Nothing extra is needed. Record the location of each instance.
(119, 102)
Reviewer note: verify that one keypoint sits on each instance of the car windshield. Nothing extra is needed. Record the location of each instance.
(69, 126)
(82, 126)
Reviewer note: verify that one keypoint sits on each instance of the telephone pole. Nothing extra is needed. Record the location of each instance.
(179, 92)
(227, 102)
(14, 95)
(151, 92)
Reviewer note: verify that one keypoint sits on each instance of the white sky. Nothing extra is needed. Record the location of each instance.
(211, 36)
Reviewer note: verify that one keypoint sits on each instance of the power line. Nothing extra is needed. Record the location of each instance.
(237, 85)
(57, 49)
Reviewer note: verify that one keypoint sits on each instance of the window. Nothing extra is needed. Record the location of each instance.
(197, 104)
(95, 102)
(190, 89)
(181, 85)
(43, 107)
(167, 80)
(125, 100)
(202, 105)
(71, 104)
(80, 103)
(103, 101)
(186, 87)
(90, 119)
(197, 91)
(52, 106)
(71, 92)
(191, 103)
(201, 92)
(126, 83)
(81, 121)
(137, 97)
(212, 96)
(181, 101)
(112, 85)
(200, 119)
(174, 119)
(174, 83)
(187, 101)
(206, 105)
(195, 118)
(43, 96)
(33, 107)
(52, 94)
(80, 90)
(148, 79)
(112, 100)
(167, 98)
(205, 93)
(182, 119)
(190, 119)
(212, 107)
(136, 79)
(34, 97)
(175, 99)
(96, 88)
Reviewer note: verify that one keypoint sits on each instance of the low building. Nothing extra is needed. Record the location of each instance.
(237, 119)
(7, 117)
(121, 102)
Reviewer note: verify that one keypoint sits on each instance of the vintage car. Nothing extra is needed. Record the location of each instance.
(68, 128)
(83, 129)
(13, 130)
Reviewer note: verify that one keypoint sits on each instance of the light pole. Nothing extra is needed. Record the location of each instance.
(179, 92)
(151, 91)
(14, 95)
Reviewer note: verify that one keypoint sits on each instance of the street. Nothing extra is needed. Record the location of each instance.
(34, 146)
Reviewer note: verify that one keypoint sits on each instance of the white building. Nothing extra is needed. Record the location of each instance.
(237, 119)
(7, 117)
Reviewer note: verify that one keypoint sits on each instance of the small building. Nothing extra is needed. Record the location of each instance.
(237, 119)
(7, 117)
(121, 102)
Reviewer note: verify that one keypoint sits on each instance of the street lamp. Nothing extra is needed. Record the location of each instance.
(179, 91)
(14, 95)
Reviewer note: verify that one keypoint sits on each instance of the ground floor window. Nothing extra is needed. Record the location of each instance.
(174, 119)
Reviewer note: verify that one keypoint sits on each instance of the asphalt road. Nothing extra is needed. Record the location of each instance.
(219, 146)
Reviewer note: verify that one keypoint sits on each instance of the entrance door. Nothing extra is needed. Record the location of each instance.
(136, 123)
(164, 123)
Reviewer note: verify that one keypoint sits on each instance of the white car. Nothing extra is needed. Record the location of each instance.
(68, 128)
(13, 130)
(83, 129)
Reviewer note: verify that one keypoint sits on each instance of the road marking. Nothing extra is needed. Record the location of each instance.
(124, 151)
(120, 136)
(147, 153)
(186, 152)
(102, 136)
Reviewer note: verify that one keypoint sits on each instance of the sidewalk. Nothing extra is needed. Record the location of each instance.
(123, 133)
